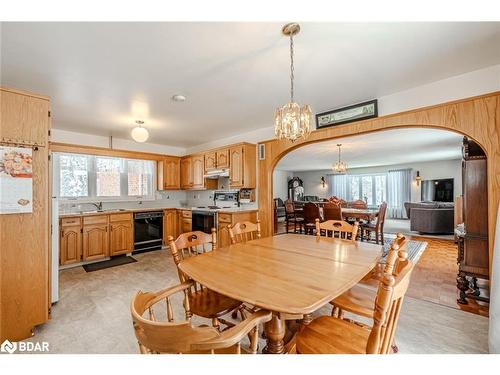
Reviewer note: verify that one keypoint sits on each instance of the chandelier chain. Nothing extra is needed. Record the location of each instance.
(291, 68)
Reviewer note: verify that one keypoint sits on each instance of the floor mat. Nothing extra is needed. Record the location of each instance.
(113, 262)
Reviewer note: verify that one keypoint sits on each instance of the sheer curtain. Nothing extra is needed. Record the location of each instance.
(398, 192)
(340, 186)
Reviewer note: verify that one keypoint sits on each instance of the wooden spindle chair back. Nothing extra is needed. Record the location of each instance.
(244, 231)
(338, 228)
(167, 336)
(191, 244)
(390, 295)
(157, 331)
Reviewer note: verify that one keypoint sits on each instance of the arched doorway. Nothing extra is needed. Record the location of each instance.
(474, 117)
(382, 170)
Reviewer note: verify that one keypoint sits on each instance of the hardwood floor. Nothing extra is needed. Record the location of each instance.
(434, 277)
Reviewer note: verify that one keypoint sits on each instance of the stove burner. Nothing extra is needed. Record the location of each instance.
(213, 207)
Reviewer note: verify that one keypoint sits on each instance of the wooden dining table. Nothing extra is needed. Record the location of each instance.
(359, 213)
(291, 275)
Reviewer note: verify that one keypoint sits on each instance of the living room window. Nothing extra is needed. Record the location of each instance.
(89, 177)
(370, 188)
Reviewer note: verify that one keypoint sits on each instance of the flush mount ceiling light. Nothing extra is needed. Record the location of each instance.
(340, 167)
(140, 134)
(178, 98)
(292, 121)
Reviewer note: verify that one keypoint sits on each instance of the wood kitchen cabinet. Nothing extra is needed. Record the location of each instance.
(120, 234)
(192, 172)
(218, 159)
(222, 158)
(170, 226)
(198, 165)
(242, 166)
(169, 176)
(95, 237)
(186, 174)
(185, 222)
(210, 160)
(70, 241)
(225, 219)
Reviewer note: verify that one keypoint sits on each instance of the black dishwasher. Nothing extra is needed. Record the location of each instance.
(148, 231)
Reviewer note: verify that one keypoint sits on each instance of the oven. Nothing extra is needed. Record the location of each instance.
(204, 221)
(148, 231)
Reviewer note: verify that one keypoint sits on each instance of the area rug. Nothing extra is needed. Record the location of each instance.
(415, 249)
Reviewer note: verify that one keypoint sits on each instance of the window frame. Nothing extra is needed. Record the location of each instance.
(92, 181)
(359, 177)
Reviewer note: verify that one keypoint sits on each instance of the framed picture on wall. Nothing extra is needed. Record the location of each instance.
(355, 112)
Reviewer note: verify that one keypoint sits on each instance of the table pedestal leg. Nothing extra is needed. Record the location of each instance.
(275, 332)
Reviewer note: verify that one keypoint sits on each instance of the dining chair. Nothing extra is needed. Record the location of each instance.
(360, 298)
(203, 301)
(310, 214)
(345, 230)
(377, 228)
(332, 211)
(332, 335)
(359, 204)
(244, 231)
(158, 331)
(291, 216)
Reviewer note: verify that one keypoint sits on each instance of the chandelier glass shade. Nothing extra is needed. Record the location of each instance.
(292, 121)
(340, 166)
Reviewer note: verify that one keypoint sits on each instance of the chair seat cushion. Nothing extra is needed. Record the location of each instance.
(328, 335)
(209, 304)
(359, 300)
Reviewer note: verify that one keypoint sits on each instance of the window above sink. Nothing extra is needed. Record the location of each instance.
(92, 178)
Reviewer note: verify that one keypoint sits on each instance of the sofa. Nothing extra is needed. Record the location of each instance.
(431, 217)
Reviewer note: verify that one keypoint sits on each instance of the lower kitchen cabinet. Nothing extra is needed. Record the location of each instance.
(185, 221)
(95, 242)
(70, 244)
(170, 226)
(120, 241)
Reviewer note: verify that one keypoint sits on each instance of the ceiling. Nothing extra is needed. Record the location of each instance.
(103, 76)
(389, 147)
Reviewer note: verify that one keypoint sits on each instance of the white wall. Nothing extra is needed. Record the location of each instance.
(64, 136)
(474, 83)
(280, 184)
(428, 171)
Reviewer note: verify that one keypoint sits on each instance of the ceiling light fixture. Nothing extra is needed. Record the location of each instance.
(292, 122)
(178, 98)
(340, 167)
(139, 133)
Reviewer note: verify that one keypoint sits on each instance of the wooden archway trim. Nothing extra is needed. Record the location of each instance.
(476, 117)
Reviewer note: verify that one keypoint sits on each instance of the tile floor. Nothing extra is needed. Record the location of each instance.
(92, 315)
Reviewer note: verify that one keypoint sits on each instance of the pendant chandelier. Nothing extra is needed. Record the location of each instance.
(292, 121)
(340, 167)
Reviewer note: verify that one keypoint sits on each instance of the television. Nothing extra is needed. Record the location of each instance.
(437, 190)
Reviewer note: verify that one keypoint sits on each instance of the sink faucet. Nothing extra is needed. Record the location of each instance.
(98, 206)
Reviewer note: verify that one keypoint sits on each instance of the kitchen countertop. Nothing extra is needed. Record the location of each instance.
(147, 209)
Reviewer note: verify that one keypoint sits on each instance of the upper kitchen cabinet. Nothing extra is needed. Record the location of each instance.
(169, 175)
(217, 159)
(210, 161)
(186, 166)
(198, 165)
(242, 165)
(222, 158)
(25, 118)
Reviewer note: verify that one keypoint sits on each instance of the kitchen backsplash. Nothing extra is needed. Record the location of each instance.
(171, 198)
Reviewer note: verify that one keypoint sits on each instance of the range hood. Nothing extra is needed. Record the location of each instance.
(216, 173)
